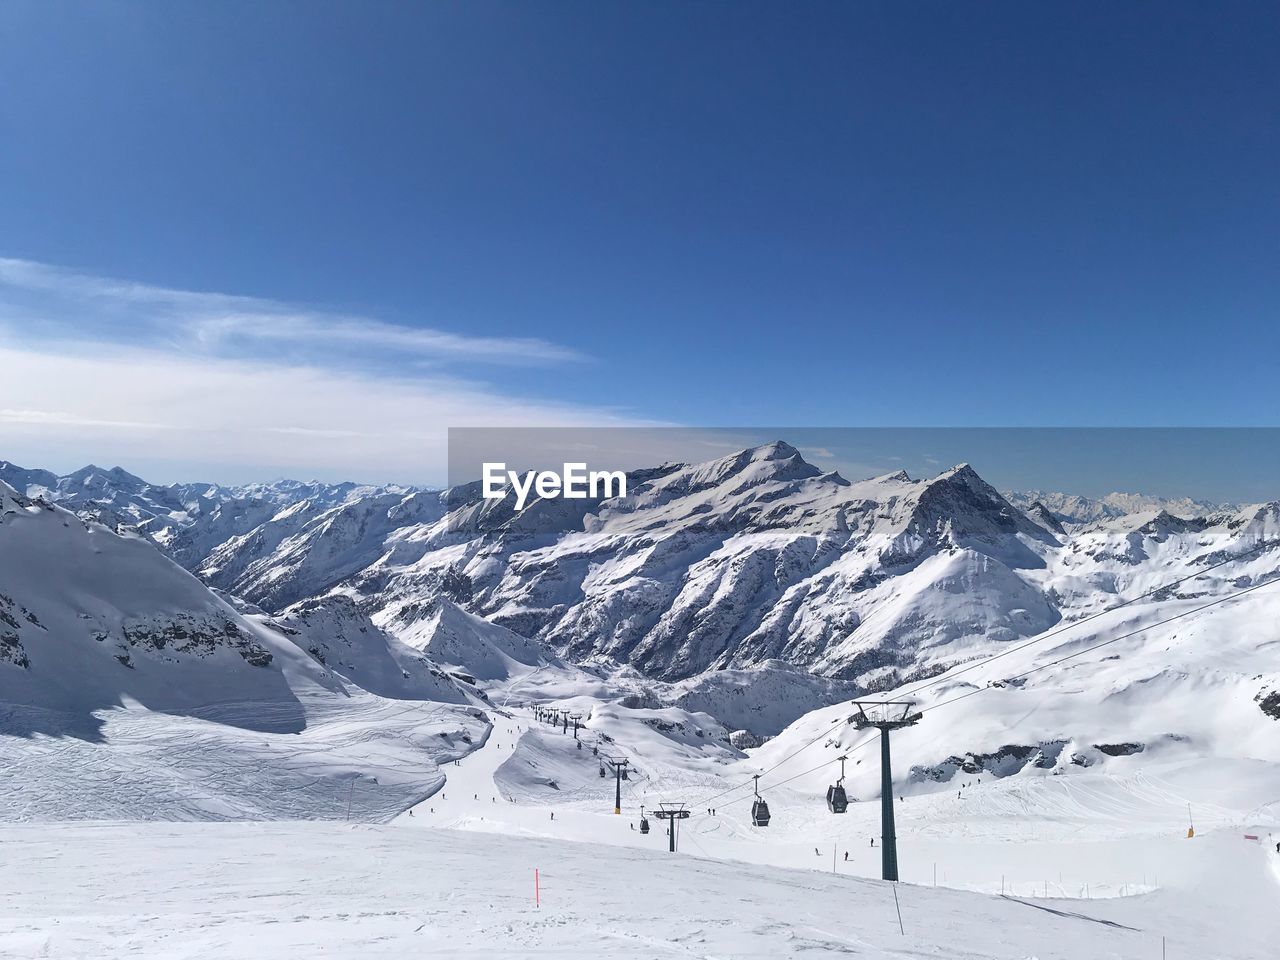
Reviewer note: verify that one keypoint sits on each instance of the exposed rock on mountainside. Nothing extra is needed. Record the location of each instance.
(732, 563)
(755, 559)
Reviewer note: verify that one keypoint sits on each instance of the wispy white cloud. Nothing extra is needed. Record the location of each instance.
(207, 385)
(61, 418)
(75, 305)
(277, 329)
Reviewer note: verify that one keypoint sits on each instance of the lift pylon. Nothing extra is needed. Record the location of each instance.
(619, 765)
(672, 813)
(886, 715)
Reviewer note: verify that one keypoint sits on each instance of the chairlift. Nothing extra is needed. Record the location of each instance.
(644, 822)
(759, 808)
(602, 769)
(837, 799)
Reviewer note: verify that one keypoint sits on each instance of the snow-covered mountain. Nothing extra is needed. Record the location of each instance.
(188, 519)
(92, 619)
(750, 560)
(129, 688)
(1072, 508)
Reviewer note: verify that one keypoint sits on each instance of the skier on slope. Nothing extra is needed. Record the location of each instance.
(846, 856)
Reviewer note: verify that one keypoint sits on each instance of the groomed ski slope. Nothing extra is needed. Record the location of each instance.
(1110, 848)
(242, 890)
(456, 877)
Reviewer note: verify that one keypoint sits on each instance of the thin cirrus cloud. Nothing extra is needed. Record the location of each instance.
(192, 385)
(64, 304)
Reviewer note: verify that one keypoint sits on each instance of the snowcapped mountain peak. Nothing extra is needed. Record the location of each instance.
(732, 563)
(960, 505)
(776, 450)
(29, 482)
(95, 477)
(772, 462)
(478, 649)
(1042, 515)
(11, 501)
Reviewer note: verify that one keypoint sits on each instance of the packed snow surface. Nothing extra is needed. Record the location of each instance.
(1098, 867)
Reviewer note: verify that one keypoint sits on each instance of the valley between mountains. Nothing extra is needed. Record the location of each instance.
(377, 655)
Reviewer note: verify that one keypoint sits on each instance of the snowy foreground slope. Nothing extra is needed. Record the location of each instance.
(1092, 868)
(310, 890)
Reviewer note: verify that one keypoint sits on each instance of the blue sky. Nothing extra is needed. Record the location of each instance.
(306, 237)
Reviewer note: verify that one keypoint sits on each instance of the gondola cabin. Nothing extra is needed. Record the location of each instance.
(837, 799)
(759, 813)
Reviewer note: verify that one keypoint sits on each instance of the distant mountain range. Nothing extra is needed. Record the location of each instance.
(752, 559)
(755, 588)
(1072, 509)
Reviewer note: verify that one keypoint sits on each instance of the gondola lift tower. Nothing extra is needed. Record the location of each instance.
(885, 716)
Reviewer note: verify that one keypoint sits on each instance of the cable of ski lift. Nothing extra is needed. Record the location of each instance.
(1057, 631)
(950, 674)
(766, 772)
(1026, 673)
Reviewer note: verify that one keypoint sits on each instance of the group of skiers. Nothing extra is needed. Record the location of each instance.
(818, 853)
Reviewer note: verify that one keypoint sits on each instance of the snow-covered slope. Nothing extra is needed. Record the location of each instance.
(128, 689)
(91, 619)
(342, 638)
(310, 545)
(752, 559)
(350, 893)
(1179, 679)
(733, 563)
(472, 645)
